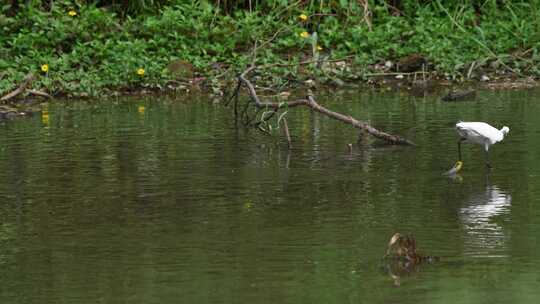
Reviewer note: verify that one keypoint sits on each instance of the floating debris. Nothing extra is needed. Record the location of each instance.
(8, 112)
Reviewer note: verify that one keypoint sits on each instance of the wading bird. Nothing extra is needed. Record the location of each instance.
(479, 133)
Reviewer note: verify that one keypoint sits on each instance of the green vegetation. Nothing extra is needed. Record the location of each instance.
(99, 47)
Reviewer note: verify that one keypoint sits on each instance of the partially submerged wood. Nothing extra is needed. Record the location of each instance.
(8, 112)
(309, 101)
(390, 138)
(39, 93)
(287, 134)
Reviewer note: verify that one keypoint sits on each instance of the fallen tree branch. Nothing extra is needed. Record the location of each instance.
(22, 87)
(393, 139)
(271, 65)
(394, 74)
(39, 93)
(310, 102)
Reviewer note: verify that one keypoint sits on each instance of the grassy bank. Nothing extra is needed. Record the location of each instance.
(94, 49)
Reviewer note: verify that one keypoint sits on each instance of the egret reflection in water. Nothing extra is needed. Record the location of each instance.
(485, 236)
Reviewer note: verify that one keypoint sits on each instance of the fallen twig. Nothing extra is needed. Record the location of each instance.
(287, 134)
(393, 139)
(39, 93)
(394, 74)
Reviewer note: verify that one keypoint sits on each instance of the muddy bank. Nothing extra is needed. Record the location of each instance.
(407, 75)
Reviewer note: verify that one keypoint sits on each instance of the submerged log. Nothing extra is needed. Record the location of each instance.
(8, 112)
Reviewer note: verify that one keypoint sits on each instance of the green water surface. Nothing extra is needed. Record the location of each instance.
(164, 200)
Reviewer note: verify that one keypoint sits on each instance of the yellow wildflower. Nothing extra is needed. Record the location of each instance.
(303, 17)
(304, 34)
(45, 68)
(72, 13)
(140, 72)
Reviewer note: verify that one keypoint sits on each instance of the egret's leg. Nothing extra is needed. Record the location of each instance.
(459, 148)
(487, 157)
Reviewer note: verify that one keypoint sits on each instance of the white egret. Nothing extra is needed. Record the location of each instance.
(479, 133)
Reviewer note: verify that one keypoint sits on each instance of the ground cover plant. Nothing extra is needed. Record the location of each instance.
(90, 48)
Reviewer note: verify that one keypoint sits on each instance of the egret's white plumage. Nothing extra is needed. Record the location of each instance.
(480, 133)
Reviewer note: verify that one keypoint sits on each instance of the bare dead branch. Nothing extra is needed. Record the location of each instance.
(287, 134)
(234, 94)
(394, 74)
(310, 102)
(321, 15)
(271, 65)
(39, 93)
(393, 139)
(367, 13)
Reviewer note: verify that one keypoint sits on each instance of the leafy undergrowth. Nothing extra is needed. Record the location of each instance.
(85, 50)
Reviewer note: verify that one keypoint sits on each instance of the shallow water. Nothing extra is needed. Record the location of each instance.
(165, 201)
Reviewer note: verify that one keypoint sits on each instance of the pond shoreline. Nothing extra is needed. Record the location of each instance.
(395, 82)
(26, 103)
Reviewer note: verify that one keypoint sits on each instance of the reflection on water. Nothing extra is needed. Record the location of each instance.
(481, 218)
